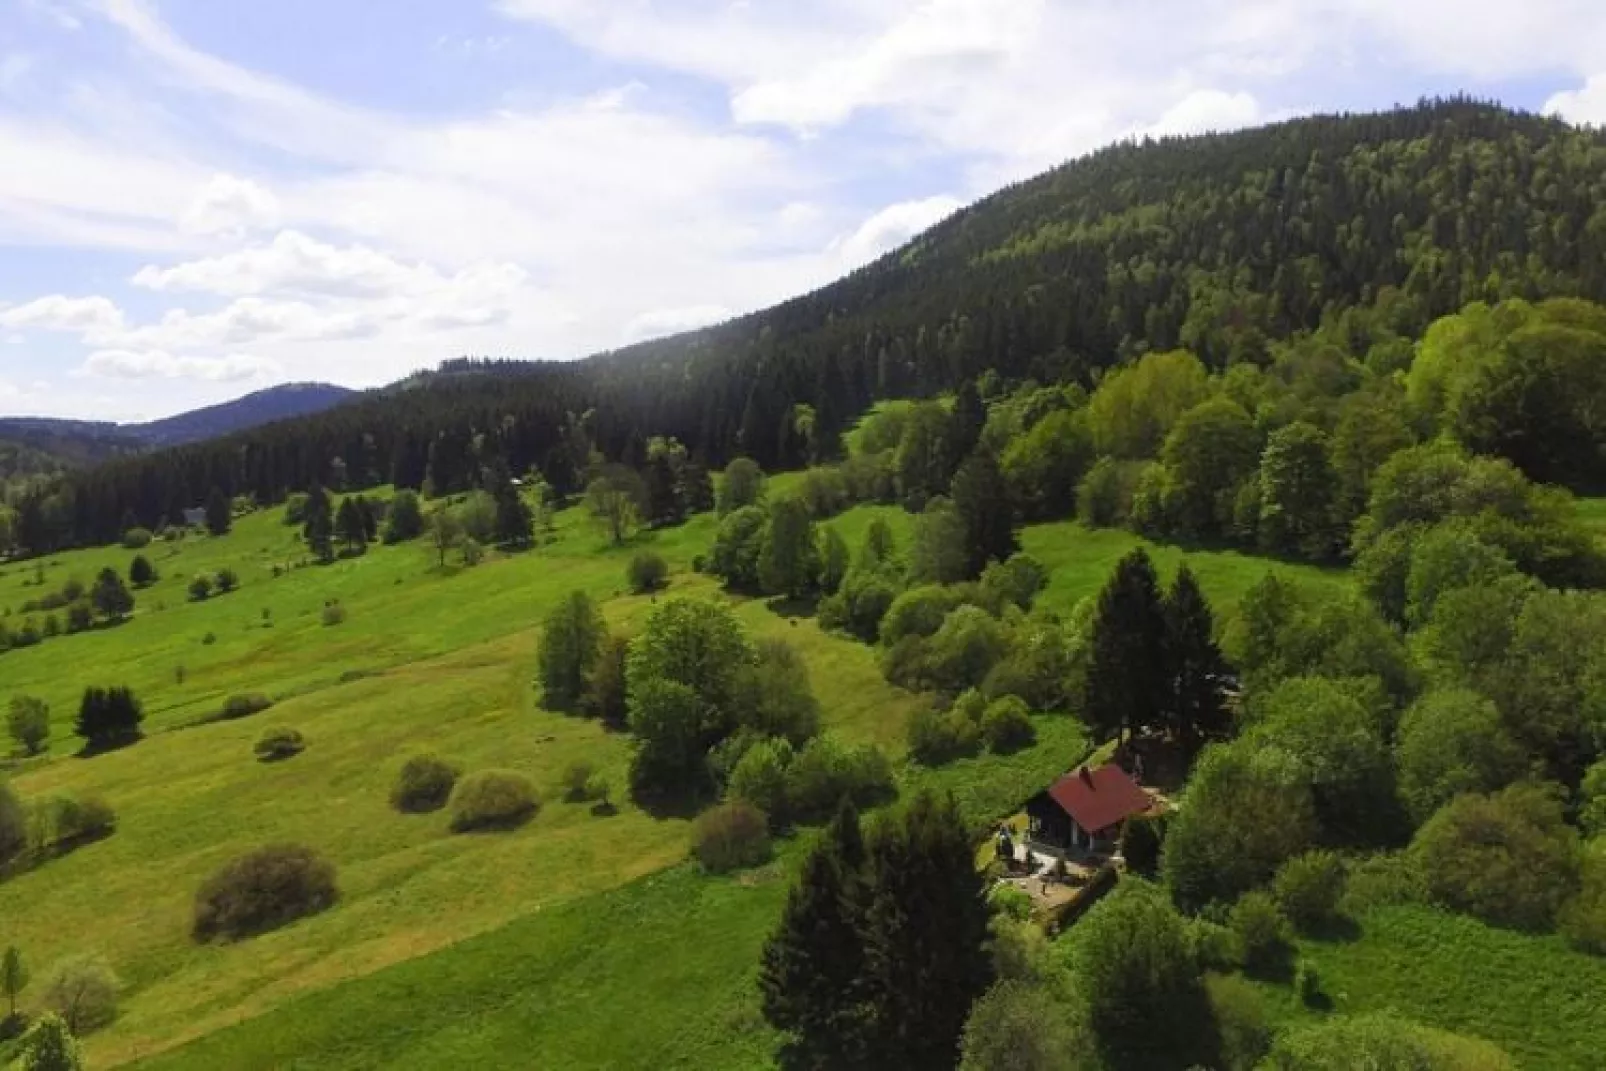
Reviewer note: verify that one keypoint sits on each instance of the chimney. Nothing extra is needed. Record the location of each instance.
(1087, 778)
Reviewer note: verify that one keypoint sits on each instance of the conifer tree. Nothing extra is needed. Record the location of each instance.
(1195, 666)
(219, 513)
(140, 572)
(1126, 680)
(970, 416)
(348, 523)
(515, 523)
(108, 717)
(812, 977)
(318, 529)
(982, 499)
(925, 936)
(49, 1046)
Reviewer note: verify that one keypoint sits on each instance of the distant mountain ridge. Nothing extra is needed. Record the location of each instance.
(255, 409)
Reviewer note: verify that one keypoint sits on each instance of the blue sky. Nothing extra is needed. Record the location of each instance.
(199, 198)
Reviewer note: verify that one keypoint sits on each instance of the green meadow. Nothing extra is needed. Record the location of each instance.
(580, 940)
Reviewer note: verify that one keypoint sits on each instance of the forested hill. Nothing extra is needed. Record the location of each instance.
(1366, 227)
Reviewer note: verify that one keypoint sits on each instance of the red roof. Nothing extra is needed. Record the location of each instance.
(1098, 799)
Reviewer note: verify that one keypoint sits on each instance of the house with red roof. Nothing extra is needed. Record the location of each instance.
(1085, 808)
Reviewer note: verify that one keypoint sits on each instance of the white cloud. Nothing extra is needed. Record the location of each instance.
(158, 364)
(298, 263)
(1206, 110)
(660, 322)
(1586, 104)
(893, 226)
(229, 207)
(58, 312)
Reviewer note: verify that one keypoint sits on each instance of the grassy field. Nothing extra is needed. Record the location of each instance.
(427, 659)
(581, 938)
(1533, 996)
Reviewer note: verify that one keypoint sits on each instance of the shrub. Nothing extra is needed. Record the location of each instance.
(826, 770)
(1509, 859)
(1010, 901)
(760, 778)
(1006, 726)
(1262, 930)
(141, 573)
(1140, 845)
(493, 799)
(333, 613)
(1309, 887)
(83, 991)
(279, 743)
(243, 706)
(576, 780)
(201, 588)
(227, 580)
(1241, 1021)
(295, 508)
(859, 605)
(1385, 880)
(731, 836)
(1216, 947)
(263, 890)
(424, 784)
(647, 572)
(1582, 920)
(136, 539)
(28, 724)
(940, 736)
(73, 821)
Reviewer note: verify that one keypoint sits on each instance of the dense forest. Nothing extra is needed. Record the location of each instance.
(1347, 234)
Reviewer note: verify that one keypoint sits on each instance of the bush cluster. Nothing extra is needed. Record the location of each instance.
(279, 743)
(424, 784)
(243, 706)
(262, 891)
(731, 836)
(493, 799)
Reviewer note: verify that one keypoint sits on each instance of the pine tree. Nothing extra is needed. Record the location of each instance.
(140, 572)
(49, 1046)
(982, 499)
(515, 523)
(970, 416)
(1126, 675)
(318, 530)
(925, 936)
(370, 519)
(219, 513)
(812, 977)
(348, 523)
(1194, 664)
(108, 717)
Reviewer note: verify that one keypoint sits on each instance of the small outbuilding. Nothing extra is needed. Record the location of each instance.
(1084, 809)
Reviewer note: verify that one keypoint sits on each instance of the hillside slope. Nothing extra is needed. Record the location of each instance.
(1373, 224)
